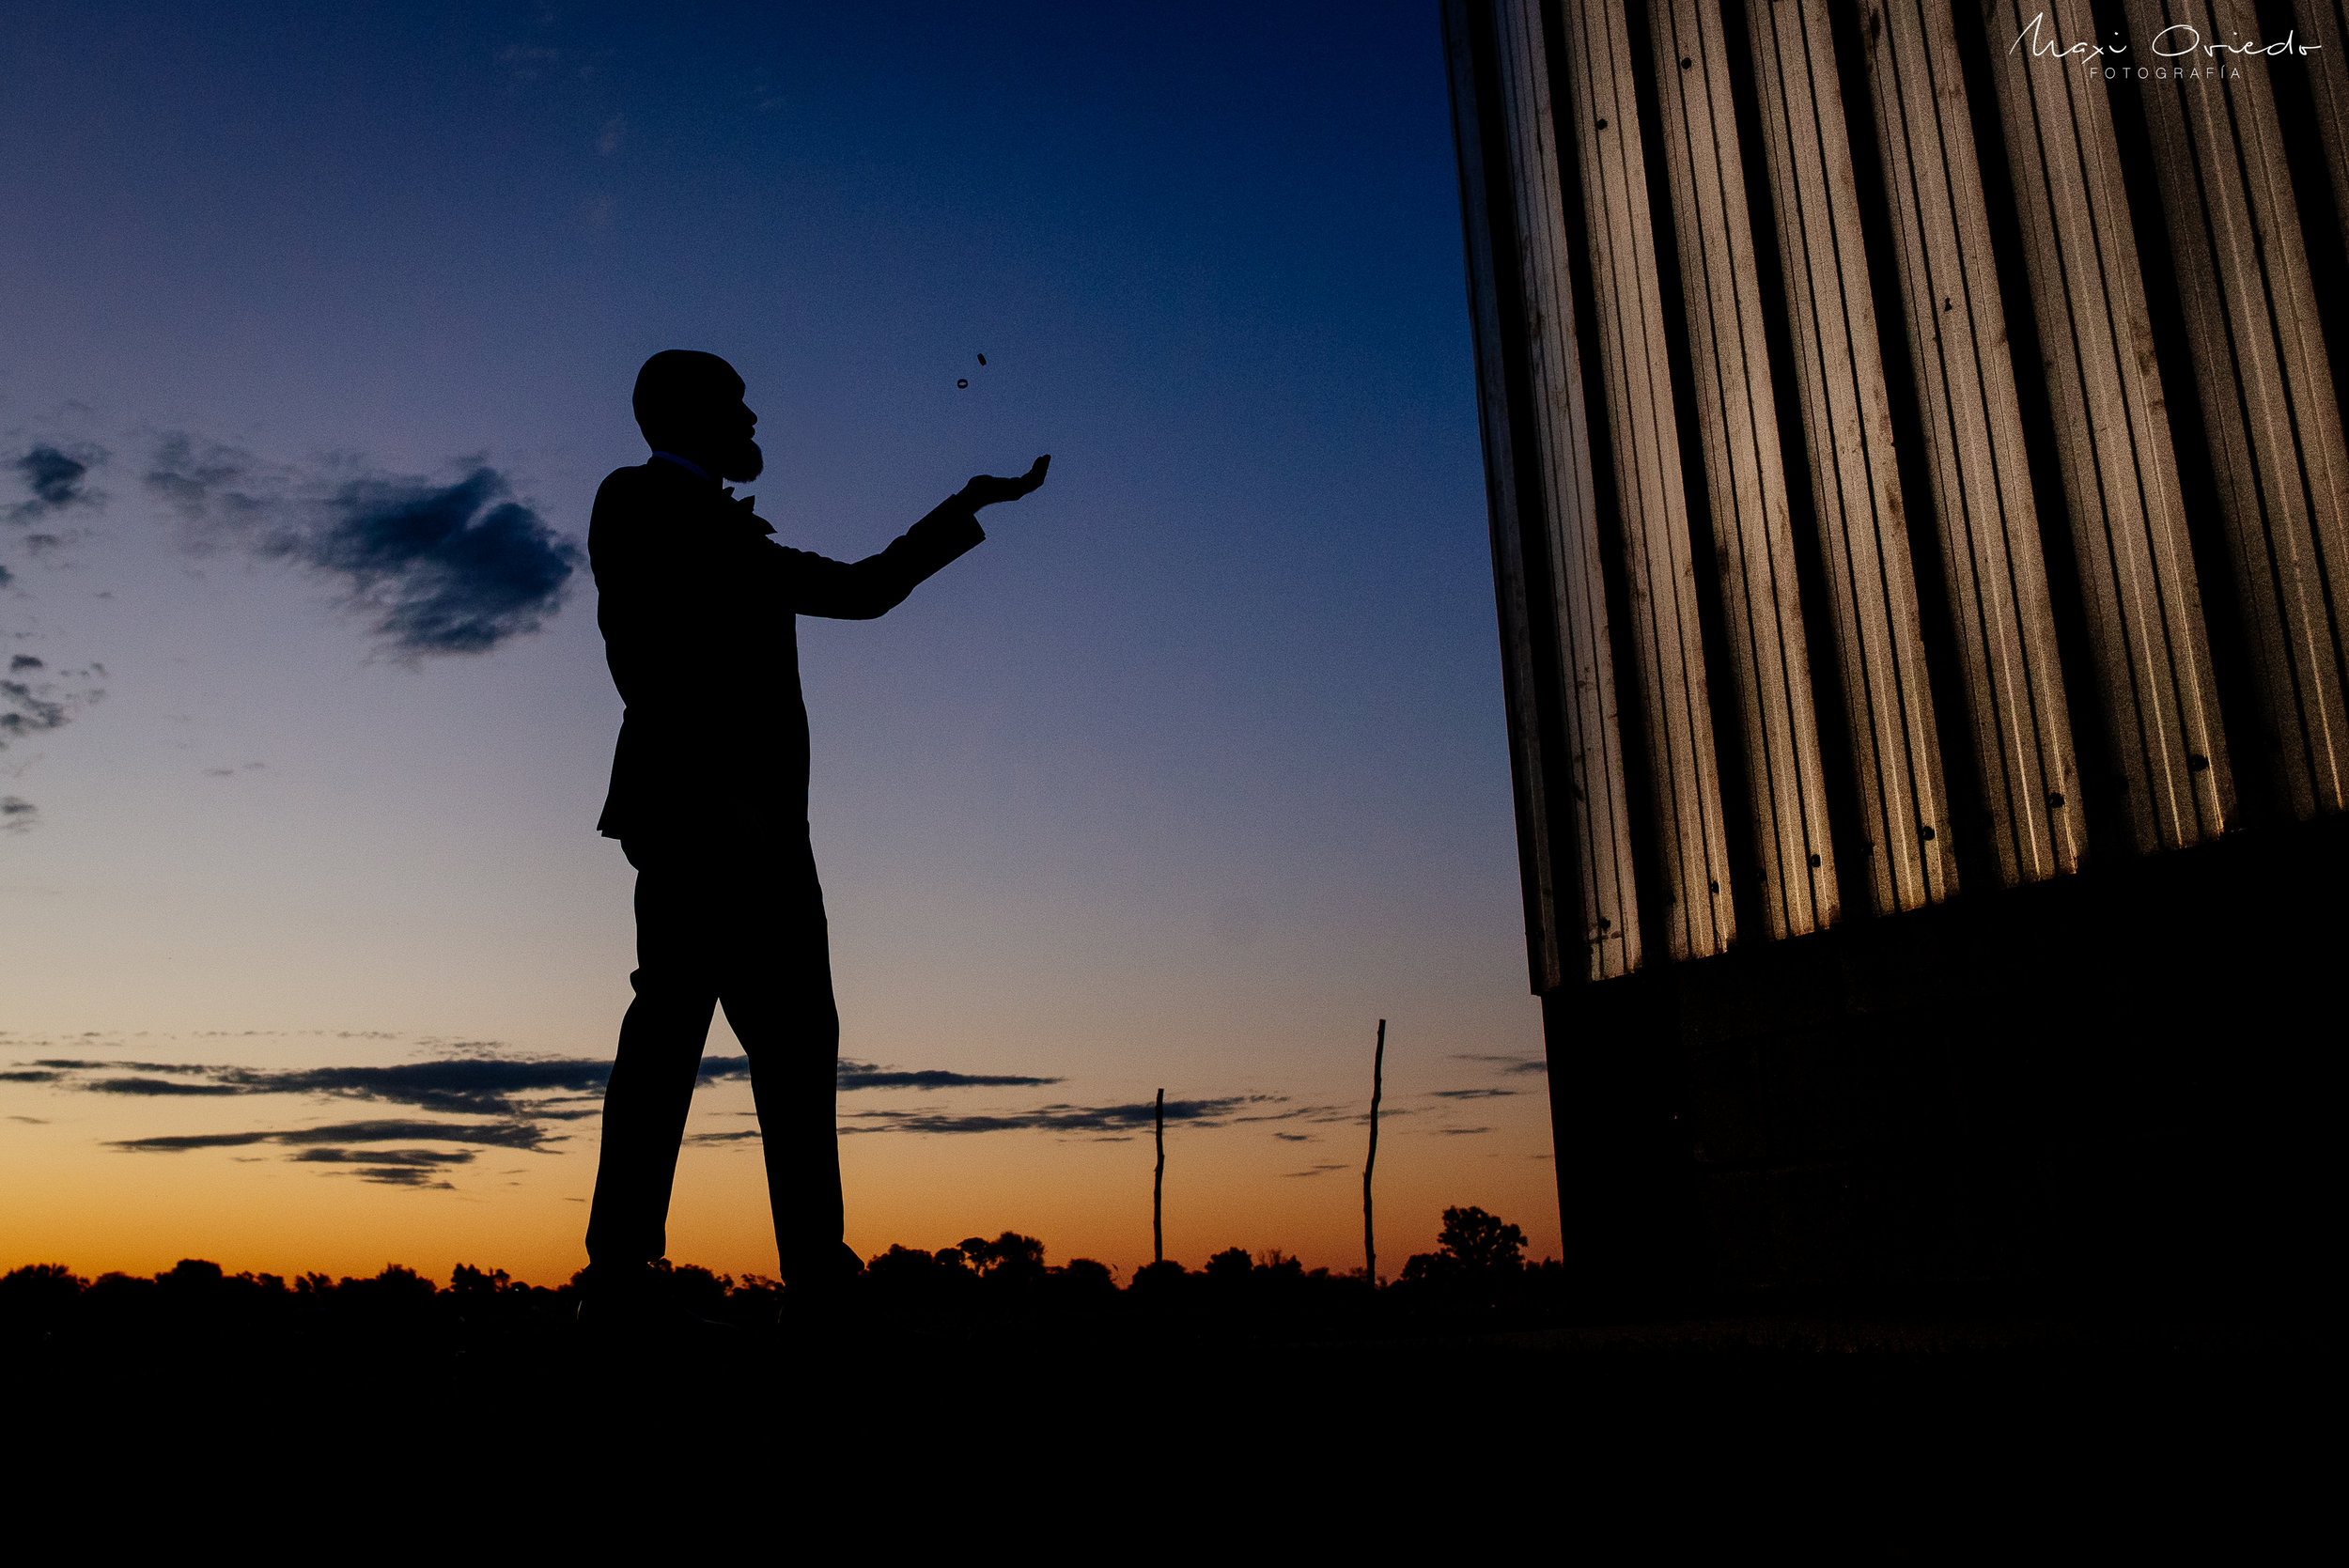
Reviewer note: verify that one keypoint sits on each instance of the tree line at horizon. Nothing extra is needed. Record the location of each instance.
(1478, 1255)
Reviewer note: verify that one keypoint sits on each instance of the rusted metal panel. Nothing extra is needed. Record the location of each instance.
(1984, 511)
(1847, 431)
(2325, 24)
(2163, 738)
(1736, 414)
(1627, 332)
(1601, 844)
(1519, 685)
(2266, 390)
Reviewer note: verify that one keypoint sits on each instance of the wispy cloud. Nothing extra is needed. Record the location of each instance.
(437, 568)
(528, 62)
(1507, 1064)
(523, 1100)
(156, 1087)
(1472, 1094)
(864, 1074)
(36, 699)
(501, 1135)
(476, 1086)
(58, 479)
(1066, 1118)
(411, 1168)
(518, 1103)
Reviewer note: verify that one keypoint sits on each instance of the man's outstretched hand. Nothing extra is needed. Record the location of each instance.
(986, 489)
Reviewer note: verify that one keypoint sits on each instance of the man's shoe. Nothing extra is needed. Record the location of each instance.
(629, 1307)
(818, 1301)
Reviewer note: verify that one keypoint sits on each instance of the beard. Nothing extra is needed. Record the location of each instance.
(743, 460)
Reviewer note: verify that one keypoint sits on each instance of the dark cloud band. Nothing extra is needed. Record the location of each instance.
(439, 568)
(56, 478)
(1064, 1118)
(501, 1135)
(469, 1086)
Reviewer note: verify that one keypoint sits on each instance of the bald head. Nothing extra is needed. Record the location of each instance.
(691, 403)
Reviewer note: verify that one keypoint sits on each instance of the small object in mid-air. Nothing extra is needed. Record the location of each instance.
(982, 359)
(962, 380)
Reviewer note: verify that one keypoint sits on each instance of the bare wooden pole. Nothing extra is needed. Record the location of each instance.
(1157, 1188)
(1377, 1087)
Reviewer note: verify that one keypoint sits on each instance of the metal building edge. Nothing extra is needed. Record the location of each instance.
(1915, 480)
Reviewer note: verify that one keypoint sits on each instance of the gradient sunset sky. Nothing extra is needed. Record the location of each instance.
(1185, 778)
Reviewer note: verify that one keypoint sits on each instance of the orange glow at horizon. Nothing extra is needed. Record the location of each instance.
(70, 1198)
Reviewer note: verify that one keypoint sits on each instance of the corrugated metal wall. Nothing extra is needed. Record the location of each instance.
(1915, 464)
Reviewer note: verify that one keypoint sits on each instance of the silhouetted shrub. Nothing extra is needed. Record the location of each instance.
(1474, 1247)
(398, 1318)
(38, 1297)
(1010, 1257)
(1278, 1266)
(695, 1288)
(191, 1274)
(397, 1282)
(1231, 1266)
(1158, 1278)
(468, 1284)
(903, 1263)
(1084, 1281)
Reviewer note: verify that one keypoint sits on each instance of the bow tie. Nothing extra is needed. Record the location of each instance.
(739, 509)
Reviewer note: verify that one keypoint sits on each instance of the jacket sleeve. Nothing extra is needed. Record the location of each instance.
(860, 590)
(651, 602)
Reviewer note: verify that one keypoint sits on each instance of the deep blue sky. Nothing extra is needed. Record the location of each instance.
(1191, 773)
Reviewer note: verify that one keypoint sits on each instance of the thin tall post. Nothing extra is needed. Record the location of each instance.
(1157, 1187)
(1377, 1087)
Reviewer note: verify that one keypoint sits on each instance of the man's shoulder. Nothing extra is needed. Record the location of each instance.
(624, 485)
(626, 495)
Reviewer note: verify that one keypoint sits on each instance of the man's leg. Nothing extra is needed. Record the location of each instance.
(651, 1088)
(779, 1000)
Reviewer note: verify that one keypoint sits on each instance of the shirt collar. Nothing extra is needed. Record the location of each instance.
(693, 468)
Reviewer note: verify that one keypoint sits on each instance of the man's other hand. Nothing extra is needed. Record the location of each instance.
(986, 489)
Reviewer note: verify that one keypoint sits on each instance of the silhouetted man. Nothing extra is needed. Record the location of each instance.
(709, 803)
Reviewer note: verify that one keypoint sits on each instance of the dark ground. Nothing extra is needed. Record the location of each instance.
(1490, 1409)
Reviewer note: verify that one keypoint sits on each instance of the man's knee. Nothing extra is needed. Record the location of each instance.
(681, 983)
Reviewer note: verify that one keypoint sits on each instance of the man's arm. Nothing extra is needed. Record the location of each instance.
(647, 599)
(860, 590)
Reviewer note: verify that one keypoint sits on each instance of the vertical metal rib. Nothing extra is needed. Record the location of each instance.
(1847, 429)
(1745, 480)
(2267, 390)
(1594, 760)
(1519, 688)
(1983, 509)
(2137, 574)
(2325, 24)
(1668, 650)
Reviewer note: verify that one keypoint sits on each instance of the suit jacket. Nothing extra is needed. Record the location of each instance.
(698, 609)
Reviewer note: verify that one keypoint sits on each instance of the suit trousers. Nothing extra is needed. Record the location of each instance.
(738, 920)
